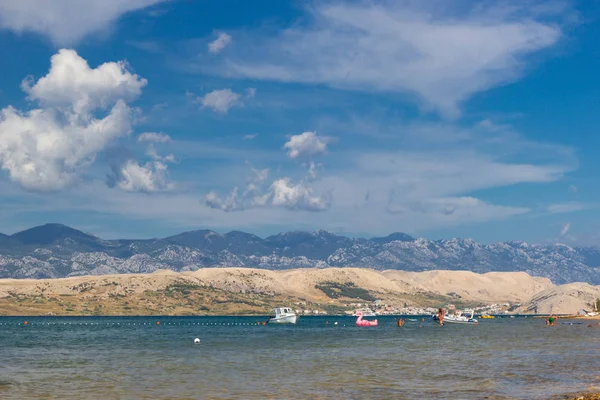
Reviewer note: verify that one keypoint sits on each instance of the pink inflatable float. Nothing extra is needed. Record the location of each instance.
(361, 322)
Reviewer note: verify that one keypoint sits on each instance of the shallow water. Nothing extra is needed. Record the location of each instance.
(134, 358)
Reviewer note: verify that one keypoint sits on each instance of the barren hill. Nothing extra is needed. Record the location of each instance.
(563, 299)
(245, 290)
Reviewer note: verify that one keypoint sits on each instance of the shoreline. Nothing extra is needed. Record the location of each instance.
(505, 316)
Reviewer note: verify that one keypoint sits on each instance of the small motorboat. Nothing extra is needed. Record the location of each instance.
(283, 315)
(366, 312)
(461, 319)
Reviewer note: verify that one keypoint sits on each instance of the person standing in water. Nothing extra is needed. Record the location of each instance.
(441, 313)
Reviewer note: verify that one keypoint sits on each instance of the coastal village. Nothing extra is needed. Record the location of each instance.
(379, 307)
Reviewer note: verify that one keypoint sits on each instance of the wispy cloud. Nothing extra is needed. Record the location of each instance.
(565, 229)
(442, 55)
(222, 41)
(570, 207)
(66, 22)
(156, 137)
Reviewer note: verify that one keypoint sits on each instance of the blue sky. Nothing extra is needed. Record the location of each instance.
(144, 118)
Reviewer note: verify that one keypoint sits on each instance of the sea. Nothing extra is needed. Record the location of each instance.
(323, 357)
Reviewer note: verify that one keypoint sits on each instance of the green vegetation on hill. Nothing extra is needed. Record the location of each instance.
(335, 290)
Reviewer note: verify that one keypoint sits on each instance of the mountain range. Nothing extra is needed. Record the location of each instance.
(56, 250)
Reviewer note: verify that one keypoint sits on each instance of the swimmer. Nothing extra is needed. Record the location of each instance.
(441, 313)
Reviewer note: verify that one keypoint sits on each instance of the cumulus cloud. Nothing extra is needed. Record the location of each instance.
(66, 22)
(250, 197)
(297, 197)
(441, 54)
(220, 100)
(71, 85)
(154, 137)
(306, 144)
(130, 175)
(280, 193)
(430, 183)
(222, 41)
(150, 177)
(47, 148)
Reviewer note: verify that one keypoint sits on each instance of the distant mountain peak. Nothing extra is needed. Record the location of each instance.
(56, 250)
(396, 236)
(48, 233)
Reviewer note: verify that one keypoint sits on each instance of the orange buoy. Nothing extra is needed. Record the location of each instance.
(157, 322)
(25, 323)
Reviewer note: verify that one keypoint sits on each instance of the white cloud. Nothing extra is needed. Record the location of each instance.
(251, 197)
(148, 178)
(313, 170)
(220, 100)
(566, 207)
(429, 184)
(281, 193)
(151, 152)
(297, 197)
(306, 144)
(250, 136)
(440, 53)
(72, 85)
(251, 92)
(565, 229)
(573, 189)
(156, 137)
(151, 177)
(222, 41)
(66, 22)
(48, 148)
(451, 210)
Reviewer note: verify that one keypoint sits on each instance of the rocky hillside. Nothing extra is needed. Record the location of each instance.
(563, 299)
(235, 291)
(54, 251)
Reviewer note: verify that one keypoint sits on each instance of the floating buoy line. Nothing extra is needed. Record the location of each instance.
(103, 323)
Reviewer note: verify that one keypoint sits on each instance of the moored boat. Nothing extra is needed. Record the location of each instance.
(283, 315)
(461, 319)
(366, 312)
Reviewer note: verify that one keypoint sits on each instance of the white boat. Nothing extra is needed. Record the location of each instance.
(461, 319)
(283, 315)
(367, 312)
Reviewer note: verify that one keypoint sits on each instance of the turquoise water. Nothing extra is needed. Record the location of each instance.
(134, 358)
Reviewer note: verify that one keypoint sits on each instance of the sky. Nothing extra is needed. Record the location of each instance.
(441, 119)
